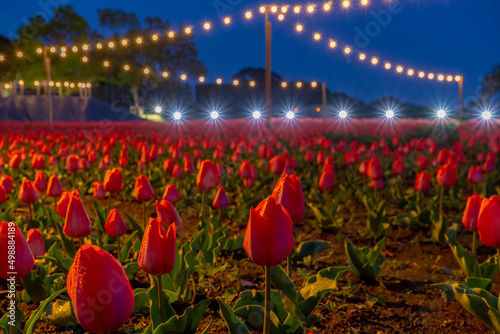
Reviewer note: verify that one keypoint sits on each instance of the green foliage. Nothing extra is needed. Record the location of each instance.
(325, 213)
(365, 262)
(478, 301)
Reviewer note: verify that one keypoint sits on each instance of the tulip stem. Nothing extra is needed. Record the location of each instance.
(473, 188)
(441, 205)
(289, 266)
(30, 223)
(267, 303)
(160, 299)
(202, 202)
(144, 215)
(474, 243)
(118, 246)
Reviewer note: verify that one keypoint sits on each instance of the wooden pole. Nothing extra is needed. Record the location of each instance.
(461, 99)
(323, 97)
(268, 83)
(48, 91)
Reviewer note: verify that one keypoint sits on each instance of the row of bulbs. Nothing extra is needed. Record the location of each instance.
(52, 84)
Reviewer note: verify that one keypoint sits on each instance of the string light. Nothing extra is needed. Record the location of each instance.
(37, 83)
(440, 77)
(296, 9)
(299, 84)
(389, 113)
(66, 84)
(236, 82)
(284, 9)
(346, 4)
(314, 84)
(421, 74)
(85, 59)
(154, 37)
(7, 86)
(201, 79)
(364, 2)
(85, 47)
(206, 26)
(165, 74)
(431, 76)
(187, 30)
(21, 82)
(63, 54)
(106, 63)
(52, 49)
(399, 69)
(227, 20)
(126, 67)
(283, 84)
(310, 8)
(449, 78)
(362, 56)
(333, 44)
(219, 81)
(111, 45)
(252, 83)
(19, 54)
(146, 70)
(58, 84)
(374, 61)
(262, 9)
(458, 78)
(317, 36)
(410, 72)
(274, 9)
(74, 49)
(99, 45)
(1, 58)
(63, 49)
(39, 50)
(327, 7)
(347, 50)
(248, 15)
(281, 17)
(124, 42)
(171, 34)
(299, 28)
(51, 83)
(183, 77)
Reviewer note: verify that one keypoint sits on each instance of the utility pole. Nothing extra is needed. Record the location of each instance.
(268, 87)
(48, 90)
(323, 97)
(461, 99)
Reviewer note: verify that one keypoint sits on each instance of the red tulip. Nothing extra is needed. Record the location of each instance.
(15, 161)
(326, 182)
(277, 164)
(63, 203)
(167, 214)
(488, 221)
(77, 223)
(362, 167)
(54, 188)
(6, 182)
(28, 193)
(250, 182)
(171, 194)
(113, 180)
(158, 250)
(423, 182)
(40, 181)
(72, 162)
(99, 290)
(99, 191)
(399, 167)
(309, 156)
(188, 166)
(3, 195)
(168, 165)
(447, 175)
(489, 163)
(177, 172)
(443, 156)
(35, 242)
(83, 164)
(374, 169)
(475, 175)
(115, 226)
(288, 193)
(320, 158)
(423, 162)
(245, 170)
(221, 201)
(377, 184)
(469, 219)
(269, 233)
(37, 162)
(329, 164)
(208, 176)
(143, 191)
(24, 260)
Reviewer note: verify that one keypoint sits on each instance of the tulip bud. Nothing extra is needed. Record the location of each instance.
(54, 188)
(475, 175)
(245, 170)
(99, 290)
(488, 221)
(208, 176)
(143, 191)
(177, 172)
(115, 226)
(374, 169)
(40, 181)
(3, 195)
(28, 193)
(35, 242)
(72, 163)
(288, 193)
(377, 184)
(167, 214)
(77, 223)
(6, 182)
(326, 182)
(269, 233)
(447, 175)
(399, 167)
(158, 249)
(277, 164)
(113, 180)
(221, 201)
(99, 191)
(423, 162)
(24, 260)
(171, 194)
(423, 182)
(469, 219)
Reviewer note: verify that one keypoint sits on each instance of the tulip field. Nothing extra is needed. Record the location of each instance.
(228, 226)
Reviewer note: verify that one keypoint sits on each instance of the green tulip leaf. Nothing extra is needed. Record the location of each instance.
(233, 323)
(186, 323)
(309, 248)
(33, 319)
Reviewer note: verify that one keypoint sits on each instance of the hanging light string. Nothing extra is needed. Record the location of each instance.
(279, 12)
(39, 83)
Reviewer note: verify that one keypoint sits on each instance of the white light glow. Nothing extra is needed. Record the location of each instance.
(389, 113)
(486, 115)
(256, 114)
(214, 114)
(177, 115)
(441, 113)
(290, 115)
(343, 114)
(158, 109)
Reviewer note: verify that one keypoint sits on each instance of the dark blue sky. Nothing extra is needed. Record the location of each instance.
(449, 36)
